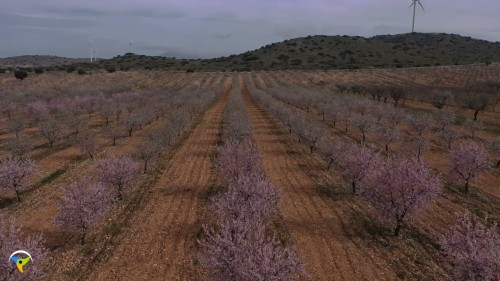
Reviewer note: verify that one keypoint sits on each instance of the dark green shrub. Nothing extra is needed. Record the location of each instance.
(20, 74)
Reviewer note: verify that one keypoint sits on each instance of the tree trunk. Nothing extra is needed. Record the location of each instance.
(331, 162)
(119, 196)
(475, 115)
(145, 165)
(386, 147)
(82, 238)
(353, 187)
(312, 147)
(18, 197)
(398, 227)
(467, 186)
(498, 163)
(114, 141)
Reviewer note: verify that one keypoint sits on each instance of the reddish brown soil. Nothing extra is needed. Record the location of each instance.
(158, 245)
(320, 227)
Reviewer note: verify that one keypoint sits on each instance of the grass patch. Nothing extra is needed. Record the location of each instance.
(114, 228)
(52, 177)
(5, 202)
(493, 129)
(459, 120)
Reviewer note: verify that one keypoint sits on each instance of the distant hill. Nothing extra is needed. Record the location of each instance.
(329, 52)
(36, 61)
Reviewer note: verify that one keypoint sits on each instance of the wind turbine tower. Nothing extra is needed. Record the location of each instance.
(130, 47)
(414, 4)
(91, 50)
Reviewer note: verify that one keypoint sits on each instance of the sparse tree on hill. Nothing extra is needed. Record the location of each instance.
(468, 160)
(474, 249)
(20, 74)
(15, 173)
(84, 204)
(399, 188)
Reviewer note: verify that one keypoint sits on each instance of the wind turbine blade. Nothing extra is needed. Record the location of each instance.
(421, 5)
(413, 3)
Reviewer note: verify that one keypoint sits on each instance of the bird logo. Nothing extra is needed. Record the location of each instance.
(20, 262)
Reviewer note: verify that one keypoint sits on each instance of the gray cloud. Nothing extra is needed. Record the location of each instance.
(76, 11)
(223, 36)
(42, 22)
(194, 28)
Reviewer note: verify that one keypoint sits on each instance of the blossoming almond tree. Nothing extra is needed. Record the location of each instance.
(14, 174)
(474, 249)
(84, 204)
(117, 171)
(354, 163)
(468, 160)
(399, 188)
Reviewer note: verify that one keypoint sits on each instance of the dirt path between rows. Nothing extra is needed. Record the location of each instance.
(320, 228)
(159, 243)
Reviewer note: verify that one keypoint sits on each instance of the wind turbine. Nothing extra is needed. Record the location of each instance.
(130, 47)
(414, 4)
(91, 49)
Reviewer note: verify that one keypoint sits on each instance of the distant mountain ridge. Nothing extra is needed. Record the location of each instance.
(328, 52)
(29, 61)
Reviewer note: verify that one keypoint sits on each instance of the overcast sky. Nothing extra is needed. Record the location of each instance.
(195, 28)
